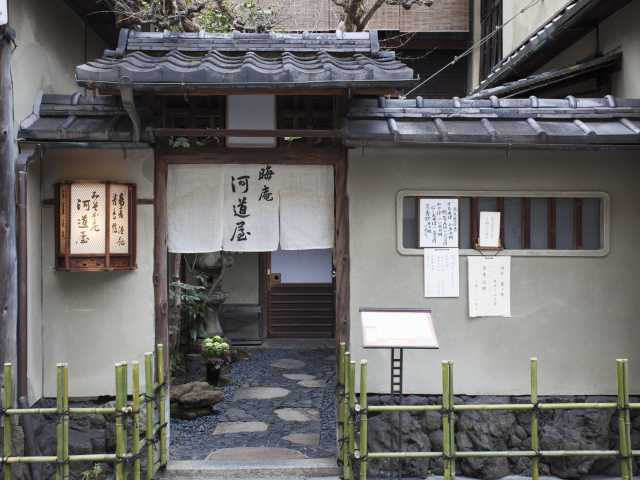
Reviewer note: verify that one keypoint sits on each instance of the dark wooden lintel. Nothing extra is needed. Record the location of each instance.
(214, 132)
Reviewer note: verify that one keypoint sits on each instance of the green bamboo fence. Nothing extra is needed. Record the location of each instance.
(349, 412)
(127, 419)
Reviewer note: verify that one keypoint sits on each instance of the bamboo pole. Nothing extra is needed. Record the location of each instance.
(624, 421)
(352, 406)
(148, 403)
(121, 398)
(162, 408)
(446, 413)
(535, 444)
(339, 394)
(364, 403)
(452, 422)
(135, 419)
(346, 455)
(59, 475)
(7, 433)
(65, 421)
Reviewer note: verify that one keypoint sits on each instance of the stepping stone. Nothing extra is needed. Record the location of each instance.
(236, 415)
(299, 376)
(307, 439)
(240, 427)
(288, 364)
(312, 383)
(298, 414)
(260, 393)
(239, 454)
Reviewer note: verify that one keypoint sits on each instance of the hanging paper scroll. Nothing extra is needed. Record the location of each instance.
(489, 230)
(441, 273)
(489, 286)
(438, 223)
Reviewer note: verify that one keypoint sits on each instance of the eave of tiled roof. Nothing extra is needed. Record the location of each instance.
(532, 121)
(166, 62)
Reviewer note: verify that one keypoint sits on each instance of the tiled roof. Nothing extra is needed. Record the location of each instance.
(172, 61)
(601, 121)
(572, 22)
(77, 118)
(244, 71)
(355, 42)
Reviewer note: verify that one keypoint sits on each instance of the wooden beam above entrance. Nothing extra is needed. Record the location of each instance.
(215, 132)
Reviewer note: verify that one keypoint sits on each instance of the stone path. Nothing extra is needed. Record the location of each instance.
(279, 402)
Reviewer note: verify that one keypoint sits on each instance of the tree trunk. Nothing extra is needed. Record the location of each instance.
(8, 252)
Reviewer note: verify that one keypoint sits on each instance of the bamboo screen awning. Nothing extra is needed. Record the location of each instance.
(179, 62)
(570, 121)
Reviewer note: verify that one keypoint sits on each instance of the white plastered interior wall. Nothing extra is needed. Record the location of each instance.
(576, 314)
(50, 44)
(93, 320)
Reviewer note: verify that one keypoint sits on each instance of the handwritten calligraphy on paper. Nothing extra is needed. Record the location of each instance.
(489, 229)
(489, 286)
(119, 221)
(88, 220)
(250, 194)
(438, 223)
(441, 273)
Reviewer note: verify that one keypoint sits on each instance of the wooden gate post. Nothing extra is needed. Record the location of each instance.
(8, 253)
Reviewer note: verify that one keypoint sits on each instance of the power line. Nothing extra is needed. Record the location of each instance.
(479, 43)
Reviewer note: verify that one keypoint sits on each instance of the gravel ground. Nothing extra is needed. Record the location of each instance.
(194, 439)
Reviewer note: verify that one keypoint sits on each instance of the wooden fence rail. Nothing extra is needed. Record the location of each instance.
(127, 420)
(354, 451)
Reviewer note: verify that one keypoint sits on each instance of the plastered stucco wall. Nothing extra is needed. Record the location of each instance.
(92, 320)
(50, 39)
(34, 279)
(576, 314)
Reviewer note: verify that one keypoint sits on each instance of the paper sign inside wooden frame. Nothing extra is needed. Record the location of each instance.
(96, 226)
(398, 328)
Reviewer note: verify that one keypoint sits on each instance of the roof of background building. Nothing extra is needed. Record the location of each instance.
(600, 121)
(571, 23)
(610, 61)
(242, 61)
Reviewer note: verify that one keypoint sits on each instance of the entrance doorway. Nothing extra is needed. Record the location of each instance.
(300, 297)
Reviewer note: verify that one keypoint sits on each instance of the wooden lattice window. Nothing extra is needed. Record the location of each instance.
(491, 50)
(551, 223)
(205, 111)
(306, 112)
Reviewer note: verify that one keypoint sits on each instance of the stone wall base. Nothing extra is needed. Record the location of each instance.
(559, 430)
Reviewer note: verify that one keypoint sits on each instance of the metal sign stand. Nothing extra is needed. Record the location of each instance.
(397, 355)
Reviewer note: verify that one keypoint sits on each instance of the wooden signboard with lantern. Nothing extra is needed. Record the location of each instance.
(96, 226)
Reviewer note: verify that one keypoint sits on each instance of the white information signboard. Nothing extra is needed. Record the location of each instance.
(441, 273)
(4, 16)
(438, 223)
(489, 234)
(389, 328)
(489, 286)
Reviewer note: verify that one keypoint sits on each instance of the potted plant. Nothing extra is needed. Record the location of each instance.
(216, 353)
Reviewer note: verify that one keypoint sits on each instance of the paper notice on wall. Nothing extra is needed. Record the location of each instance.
(441, 272)
(489, 286)
(438, 223)
(489, 230)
